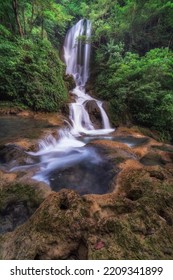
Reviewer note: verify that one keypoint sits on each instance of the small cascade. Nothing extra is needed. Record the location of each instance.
(106, 123)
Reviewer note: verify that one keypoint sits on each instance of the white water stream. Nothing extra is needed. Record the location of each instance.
(77, 58)
(68, 150)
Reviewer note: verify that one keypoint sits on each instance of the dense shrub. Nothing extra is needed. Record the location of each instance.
(31, 73)
(140, 87)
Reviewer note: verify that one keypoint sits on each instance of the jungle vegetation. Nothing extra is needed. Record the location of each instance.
(132, 66)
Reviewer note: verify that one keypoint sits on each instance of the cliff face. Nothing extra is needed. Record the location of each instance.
(134, 221)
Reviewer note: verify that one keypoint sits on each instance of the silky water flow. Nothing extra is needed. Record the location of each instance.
(68, 162)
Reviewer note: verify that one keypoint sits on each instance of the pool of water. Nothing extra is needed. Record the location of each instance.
(15, 127)
(83, 169)
(85, 177)
(66, 163)
(130, 141)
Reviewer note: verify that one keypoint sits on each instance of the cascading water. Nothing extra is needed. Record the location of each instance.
(77, 57)
(58, 157)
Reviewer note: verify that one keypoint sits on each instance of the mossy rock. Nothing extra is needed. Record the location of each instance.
(58, 224)
(134, 223)
(17, 203)
(69, 81)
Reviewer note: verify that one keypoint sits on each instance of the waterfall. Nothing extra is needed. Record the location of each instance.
(77, 58)
(68, 150)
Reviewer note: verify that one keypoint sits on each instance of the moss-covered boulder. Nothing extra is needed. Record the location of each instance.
(18, 201)
(69, 81)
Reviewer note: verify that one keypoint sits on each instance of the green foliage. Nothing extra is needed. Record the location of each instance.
(31, 73)
(140, 87)
(76, 8)
(133, 62)
(141, 25)
(4, 31)
(45, 15)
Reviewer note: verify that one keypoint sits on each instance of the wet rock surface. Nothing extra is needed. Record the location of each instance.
(94, 113)
(152, 159)
(25, 127)
(15, 127)
(131, 141)
(13, 156)
(10, 152)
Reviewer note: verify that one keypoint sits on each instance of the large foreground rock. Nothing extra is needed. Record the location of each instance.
(134, 222)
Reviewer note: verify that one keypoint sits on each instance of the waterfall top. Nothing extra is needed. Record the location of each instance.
(77, 53)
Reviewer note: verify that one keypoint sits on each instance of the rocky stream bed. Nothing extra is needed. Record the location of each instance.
(131, 219)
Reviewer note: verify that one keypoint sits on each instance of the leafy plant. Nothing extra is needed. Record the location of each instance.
(140, 87)
(31, 73)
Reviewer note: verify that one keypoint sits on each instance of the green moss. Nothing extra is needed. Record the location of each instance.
(136, 224)
(19, 192)
(118, 160)
(141, 226)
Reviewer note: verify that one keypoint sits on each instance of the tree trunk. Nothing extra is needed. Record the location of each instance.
(24, 20)
(32, 19)
(42, 28)
(16, 13)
